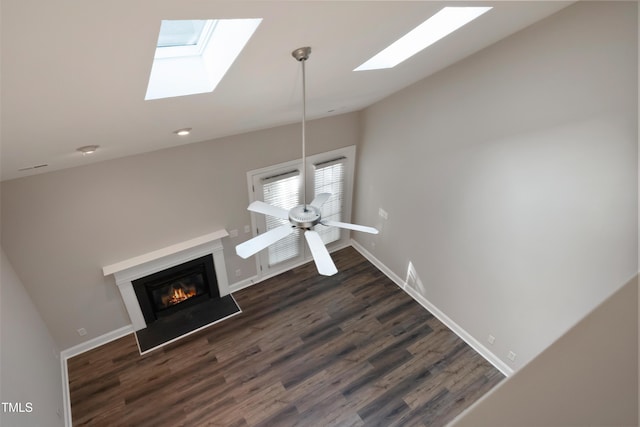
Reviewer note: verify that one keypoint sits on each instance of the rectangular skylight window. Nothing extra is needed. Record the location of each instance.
(444, 22)
(192, 56)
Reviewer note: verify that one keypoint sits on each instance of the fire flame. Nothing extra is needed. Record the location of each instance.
(178, 295)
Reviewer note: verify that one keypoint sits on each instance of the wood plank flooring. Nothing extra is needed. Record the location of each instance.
(348, 350)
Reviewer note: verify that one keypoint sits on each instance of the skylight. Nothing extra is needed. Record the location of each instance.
(192, 56)
(443, 23)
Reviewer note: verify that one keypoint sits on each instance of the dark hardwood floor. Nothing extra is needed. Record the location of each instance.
(308, 350)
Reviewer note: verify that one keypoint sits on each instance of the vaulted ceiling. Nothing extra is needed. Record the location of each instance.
(75, 72)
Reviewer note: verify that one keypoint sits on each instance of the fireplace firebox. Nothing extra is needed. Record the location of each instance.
(177, 288)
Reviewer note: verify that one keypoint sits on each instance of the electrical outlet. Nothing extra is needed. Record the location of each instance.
(82, 332)
(233, 233)
(238, 273)
(383, 214)
(491, 339)
(511, 356)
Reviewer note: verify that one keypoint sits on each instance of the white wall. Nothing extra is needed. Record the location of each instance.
(59, 229)
(586, 378)
(29, 358)
(510, 178)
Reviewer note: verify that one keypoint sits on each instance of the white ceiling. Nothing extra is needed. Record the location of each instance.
(75, 72)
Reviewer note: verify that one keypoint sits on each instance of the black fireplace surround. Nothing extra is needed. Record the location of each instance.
(177, 288)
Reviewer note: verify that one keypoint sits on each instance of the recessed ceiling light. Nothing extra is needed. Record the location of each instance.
(192, 56)
(444, 22)
(182, 132)
(88, 149)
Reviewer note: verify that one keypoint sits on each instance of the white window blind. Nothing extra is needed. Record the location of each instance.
(329, 177)
(282, 190)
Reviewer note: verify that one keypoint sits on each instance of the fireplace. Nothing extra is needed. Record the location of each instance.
(176, 288)
(147, 265)
(175, 291)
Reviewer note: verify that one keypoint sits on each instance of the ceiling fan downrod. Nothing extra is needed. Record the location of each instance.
(304, 216)
(301, 55)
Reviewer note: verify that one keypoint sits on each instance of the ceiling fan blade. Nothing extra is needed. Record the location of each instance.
(258, 243)
(354, 227)
(320, 254)
(267, 209)
(320, 200)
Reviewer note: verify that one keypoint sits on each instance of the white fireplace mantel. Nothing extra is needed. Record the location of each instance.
(125, 272)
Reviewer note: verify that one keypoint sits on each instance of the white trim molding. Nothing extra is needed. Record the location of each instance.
(446, 320)
(96, 342)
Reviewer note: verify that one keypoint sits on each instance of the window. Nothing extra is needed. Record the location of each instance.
(192, 56)
(282, 190)
(281, 185)
(329, 178)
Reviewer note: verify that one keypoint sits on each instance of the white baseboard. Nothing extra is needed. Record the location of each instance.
(79, 349)
(254, 280)
(66, 398)
(96, 342)
(235, 287)
(462, 333)
(446, 320)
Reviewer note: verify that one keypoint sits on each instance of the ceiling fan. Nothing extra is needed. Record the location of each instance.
(305, 216)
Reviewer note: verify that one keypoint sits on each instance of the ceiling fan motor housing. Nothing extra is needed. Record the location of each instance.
(304, 216)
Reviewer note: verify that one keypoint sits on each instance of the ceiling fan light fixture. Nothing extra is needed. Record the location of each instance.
(438, 26)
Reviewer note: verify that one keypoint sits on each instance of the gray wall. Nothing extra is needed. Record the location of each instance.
(29, 358)
(510, 178)
(586, 378)
(59, 229)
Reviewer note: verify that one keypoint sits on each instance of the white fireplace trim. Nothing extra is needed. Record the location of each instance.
(125, 272)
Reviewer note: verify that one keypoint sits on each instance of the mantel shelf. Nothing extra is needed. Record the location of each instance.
(157, 254)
